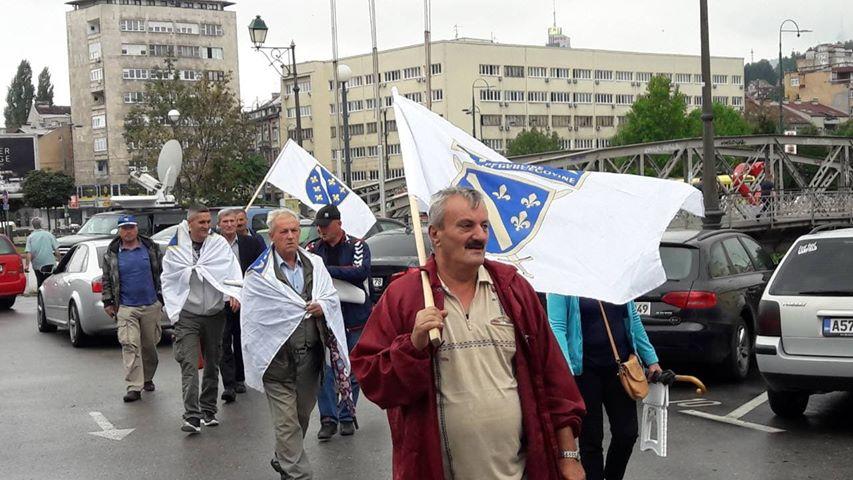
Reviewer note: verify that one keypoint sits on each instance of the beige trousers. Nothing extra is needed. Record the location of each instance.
(139, 332)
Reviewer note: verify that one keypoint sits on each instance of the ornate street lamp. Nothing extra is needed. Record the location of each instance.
(344, 76)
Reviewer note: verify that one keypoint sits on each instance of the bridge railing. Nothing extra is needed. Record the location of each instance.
(788, 207)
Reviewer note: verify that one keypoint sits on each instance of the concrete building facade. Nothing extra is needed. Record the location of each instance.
(581, 94)
(113, 48)
(824, 75)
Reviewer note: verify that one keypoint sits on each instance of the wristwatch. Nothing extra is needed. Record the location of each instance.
(571, 454)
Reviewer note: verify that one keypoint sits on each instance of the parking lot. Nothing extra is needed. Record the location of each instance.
(53, 397)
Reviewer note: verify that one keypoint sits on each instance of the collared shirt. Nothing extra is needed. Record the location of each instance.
(295, 275)
(41, 244)
(136, 286)
(479, 408)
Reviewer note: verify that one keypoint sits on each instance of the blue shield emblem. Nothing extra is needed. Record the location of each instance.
(323, 189)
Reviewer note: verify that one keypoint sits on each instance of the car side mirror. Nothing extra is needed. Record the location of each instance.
(113, 231)
(47, 269)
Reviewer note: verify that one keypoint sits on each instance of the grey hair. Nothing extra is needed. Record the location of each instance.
(36, 222)
(279, 212)
(195, 210)
(229, 211)
(439, 202)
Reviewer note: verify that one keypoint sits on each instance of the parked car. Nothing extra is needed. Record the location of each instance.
(13, 280)
(71, 296)
(392, 252)
(104, 224)
(706, 310)
(805, 322)
(257, 216)
(308, 231)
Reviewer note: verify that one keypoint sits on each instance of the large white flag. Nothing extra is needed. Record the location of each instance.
(299, 174)
(590, 234)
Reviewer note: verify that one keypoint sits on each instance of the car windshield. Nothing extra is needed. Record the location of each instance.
(816, 267)
(6, 246)
(308, 232)
(677, 261)
(100, 225)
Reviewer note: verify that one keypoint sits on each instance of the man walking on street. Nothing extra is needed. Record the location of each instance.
(131, 296)
(42, 250)
(347, 259)
(244, 229)
(195, 268)
(291, 320)
(496, 399)
(247, 251)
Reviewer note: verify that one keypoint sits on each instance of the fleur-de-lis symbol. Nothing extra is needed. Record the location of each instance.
(530, 201)
(520, 222)
(501, 193)
(314, 179)
(318, 189)
(331, 181)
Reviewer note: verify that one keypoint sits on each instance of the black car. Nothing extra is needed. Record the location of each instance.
(392, 252)
(706, 311)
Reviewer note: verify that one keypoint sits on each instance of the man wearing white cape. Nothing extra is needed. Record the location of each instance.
(291, 321)
(196, 268)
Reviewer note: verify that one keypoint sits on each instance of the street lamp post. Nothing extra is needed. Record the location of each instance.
(344, 75)
(782, 69)
(473, 111)
(713, 215)
(278, 59)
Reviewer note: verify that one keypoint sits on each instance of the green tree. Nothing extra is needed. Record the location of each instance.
(533, 141)
(845, 129)
(212, 129)
(45, 189)
(659, 114)
(727, 122)
(760, 70)
(19, 98)
(44, 93)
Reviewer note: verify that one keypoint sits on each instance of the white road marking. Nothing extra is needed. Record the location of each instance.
(732, 421)
(748, 406)
(108, 430)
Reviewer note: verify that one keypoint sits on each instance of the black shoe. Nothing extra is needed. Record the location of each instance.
(229, 396)
(132, 396)
(327, 430)
(191, 425)
(277, 467)
(149, 386)
(209, 420)
(240, 387)
(347, 429)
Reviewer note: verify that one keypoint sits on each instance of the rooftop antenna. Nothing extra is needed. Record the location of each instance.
(456, 31)
(751, 56)
(555, 13)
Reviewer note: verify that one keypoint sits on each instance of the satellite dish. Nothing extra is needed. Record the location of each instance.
(169, 163)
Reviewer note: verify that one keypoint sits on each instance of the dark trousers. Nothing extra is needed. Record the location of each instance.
(40, 277)
(601, 387)
(195, 334)
(232, 351)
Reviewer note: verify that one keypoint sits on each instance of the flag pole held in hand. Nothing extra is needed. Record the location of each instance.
(429, 301)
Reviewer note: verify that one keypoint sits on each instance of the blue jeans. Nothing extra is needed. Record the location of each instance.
(330, 409)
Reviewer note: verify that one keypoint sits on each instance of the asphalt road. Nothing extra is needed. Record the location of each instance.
(49, 391)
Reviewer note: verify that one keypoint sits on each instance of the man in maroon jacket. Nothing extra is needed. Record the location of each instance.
(496, 399)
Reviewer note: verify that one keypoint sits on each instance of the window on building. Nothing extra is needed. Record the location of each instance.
(356, 81)
(189, 51)
(369, 103)
(189, 75)
(135, 74)
(216, 75)
(134, 49)
(490, 70)
(516, 120)
(583, 121)
(561, 97)
(186, 28)
(389, 101)
(357, 129)
(737, 80)
(100, 144)
(304, 111)
(96, 75)
(604, 121)
(215, 53)
(604, 74)
(99, 121)
(665, 75)
(603, 142)
(134, 97)
(131, 25)
(211, 30)
(95, 51)
(93, 27)
(644, 76)
(514, 71)
(490, 120)
(160, 27)
(622, 119)
(721, 100)
(697, 78)
(395, 173)
(623, 99)
(558, 121)
(333, 132)
(537, 97)
(513, 95)
(795, 82)
(495, 144)
(411, 72)
(719, 79)
(490, 95)
(539, 121)
(584, 143)
(435, 69)
(161, 50)
(370, 127)
(355, 105)
(537, 72)
(683, 77)
(582, 97)
(393, 149)
(391, 76)
(307, 133)
(697, 100)
(582, 73)
(624, 76)
(437, 95)
(304, 86)
(415, 96)
(559, 72)
(604, 98)
(368, 80)
(737, 101)
(688, 100)
(391, 126)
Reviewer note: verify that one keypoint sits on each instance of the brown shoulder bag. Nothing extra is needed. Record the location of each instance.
(631, 373)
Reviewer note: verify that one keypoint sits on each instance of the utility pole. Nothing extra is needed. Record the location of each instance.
(336, 90)
(428, 48)
(380, 125)
(713, 215)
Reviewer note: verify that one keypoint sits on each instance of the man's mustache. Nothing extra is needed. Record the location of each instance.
(475, 244)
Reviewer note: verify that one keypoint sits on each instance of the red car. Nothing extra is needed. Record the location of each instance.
(13, 280)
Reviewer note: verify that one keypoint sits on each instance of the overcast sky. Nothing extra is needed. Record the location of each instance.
(35, 29)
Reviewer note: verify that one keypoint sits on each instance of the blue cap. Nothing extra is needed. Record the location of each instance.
(126, 220)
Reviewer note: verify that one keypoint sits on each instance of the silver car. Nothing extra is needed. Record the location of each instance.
(71, 296)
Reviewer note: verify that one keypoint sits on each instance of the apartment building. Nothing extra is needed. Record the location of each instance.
(114, 46)
(824, 75)
(581, 94)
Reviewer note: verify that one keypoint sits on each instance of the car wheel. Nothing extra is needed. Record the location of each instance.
(41, 317)
(788, 404)
(739, 360)
(75, 330)
(7, 302)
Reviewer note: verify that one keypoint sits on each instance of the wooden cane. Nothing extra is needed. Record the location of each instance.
(700, 387)
(429, 301)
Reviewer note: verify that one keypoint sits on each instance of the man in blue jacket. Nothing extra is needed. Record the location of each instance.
(348, 259)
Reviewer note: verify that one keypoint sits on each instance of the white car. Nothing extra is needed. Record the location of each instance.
(805, 322)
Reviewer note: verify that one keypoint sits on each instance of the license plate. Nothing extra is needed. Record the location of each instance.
(838, 327)
(377, 282)
(644, 308)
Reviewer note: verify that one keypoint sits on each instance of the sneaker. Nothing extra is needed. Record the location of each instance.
(132, 396)
(209, 420)
(240, 387)
(347, 428)
(327, 430)
(148, 386)
(229, 396)
(191, 425)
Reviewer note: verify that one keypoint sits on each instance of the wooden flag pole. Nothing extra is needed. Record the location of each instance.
(429, 301)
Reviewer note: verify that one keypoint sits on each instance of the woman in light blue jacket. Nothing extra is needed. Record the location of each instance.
(579, 327)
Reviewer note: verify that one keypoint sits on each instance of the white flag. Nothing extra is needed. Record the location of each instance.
(299, 174)
(589, 234)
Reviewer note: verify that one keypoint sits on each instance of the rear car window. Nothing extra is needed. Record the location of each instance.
(759, 256)
(677, 261)
(6, 246)
(741, 262)
(816, 267)
(718, 266)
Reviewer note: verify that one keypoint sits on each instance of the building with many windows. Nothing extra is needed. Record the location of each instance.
(824, 75)
(581, 94)
(113, 48)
